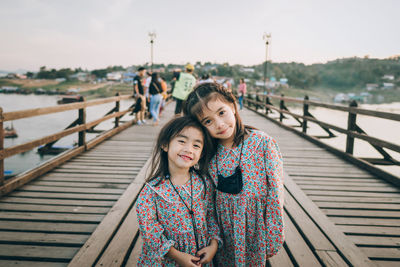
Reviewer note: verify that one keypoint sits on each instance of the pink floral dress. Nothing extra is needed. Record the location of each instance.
(164, 221)
(251, 222)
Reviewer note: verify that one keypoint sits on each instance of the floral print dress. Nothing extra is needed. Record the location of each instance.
(164, 221)
(251, 222)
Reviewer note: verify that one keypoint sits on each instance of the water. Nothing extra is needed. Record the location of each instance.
(387, 130)
(40, 126)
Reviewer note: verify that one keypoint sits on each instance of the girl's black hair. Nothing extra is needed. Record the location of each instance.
(154, 79)
(159, 164)
(198, 99)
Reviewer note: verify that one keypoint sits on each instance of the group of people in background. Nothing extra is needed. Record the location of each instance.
(151, 91)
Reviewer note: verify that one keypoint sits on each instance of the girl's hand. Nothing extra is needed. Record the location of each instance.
(183, 259)
(187, 260)
(207, 254)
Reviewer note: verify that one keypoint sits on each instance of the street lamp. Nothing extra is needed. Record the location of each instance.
(266, 37)
(152, 36)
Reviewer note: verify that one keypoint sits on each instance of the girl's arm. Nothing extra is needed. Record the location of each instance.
(211, 215)
(155, 244)
(274, 210)
(213, 238)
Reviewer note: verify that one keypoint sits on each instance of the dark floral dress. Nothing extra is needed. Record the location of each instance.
(251, 222)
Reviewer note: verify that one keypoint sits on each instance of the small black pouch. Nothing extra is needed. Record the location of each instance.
(232, 184)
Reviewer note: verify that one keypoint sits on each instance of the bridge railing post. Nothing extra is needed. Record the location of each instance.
(117, 109)
(268, 102)
(305, 113)
(281, 107)
(82, 120)
(1, 147)
(351, 126)
(258, 100)
(248, 100)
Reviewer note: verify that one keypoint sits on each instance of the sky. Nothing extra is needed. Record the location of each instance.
(94, 34)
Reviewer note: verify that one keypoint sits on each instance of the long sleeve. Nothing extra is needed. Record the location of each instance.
(155, 244)
(211, 217)
(274, 210)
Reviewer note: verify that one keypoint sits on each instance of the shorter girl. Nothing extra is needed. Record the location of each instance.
(175, 208)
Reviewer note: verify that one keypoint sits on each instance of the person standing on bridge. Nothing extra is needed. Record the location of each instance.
(241, 92)
(247, 171)
(183, 86)
(155, 90)
(139, 92)
(175, 208)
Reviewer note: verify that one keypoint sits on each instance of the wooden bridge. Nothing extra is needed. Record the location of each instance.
(79, 208)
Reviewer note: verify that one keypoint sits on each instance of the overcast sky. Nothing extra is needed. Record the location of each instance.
(99, 33)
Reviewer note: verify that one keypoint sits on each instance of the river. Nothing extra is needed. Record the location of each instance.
(37, 127)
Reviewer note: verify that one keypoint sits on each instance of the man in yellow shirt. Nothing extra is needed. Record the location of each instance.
(184, 84)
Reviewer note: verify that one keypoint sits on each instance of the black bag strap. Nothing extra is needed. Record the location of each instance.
(155, 85)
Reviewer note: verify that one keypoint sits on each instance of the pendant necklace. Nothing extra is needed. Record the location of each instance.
(189, 209)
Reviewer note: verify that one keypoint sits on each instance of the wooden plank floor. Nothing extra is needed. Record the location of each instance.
(47, 221)
(364, 207)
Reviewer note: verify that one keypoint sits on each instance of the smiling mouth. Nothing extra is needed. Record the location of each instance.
(222, 132)
(186, 157)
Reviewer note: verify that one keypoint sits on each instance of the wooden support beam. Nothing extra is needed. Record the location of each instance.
(15, 115)
(305, 112)
(82, 121)
(117, 107)
(351, 126)
(1, 147)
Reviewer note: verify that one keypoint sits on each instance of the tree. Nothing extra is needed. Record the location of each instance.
(29, 74)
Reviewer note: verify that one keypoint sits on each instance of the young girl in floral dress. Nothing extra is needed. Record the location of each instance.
(176, 208)
(247, 171)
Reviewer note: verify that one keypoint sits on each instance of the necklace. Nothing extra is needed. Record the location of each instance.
(187, 206)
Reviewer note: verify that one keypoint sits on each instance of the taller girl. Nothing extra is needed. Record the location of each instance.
(247, 170)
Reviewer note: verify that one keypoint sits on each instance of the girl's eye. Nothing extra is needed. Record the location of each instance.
(207, 122)
(181, 141)
(222, 112)
(197, 146)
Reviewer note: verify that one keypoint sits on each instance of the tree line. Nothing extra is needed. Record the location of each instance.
(338, 74)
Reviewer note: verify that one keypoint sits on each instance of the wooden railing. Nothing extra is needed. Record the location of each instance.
(263, 104)
(80, 126)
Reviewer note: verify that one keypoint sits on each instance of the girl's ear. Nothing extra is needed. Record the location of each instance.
(165, 148)
(233, 108)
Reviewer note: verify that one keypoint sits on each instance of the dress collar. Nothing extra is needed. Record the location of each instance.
(166, 191)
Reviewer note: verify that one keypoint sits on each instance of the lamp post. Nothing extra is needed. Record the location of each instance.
(266, 38)
(152, 36)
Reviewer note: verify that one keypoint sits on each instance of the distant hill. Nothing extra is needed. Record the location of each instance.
(19, 71)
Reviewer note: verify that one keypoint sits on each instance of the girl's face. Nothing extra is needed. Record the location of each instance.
(219, 119)
(184, 150)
